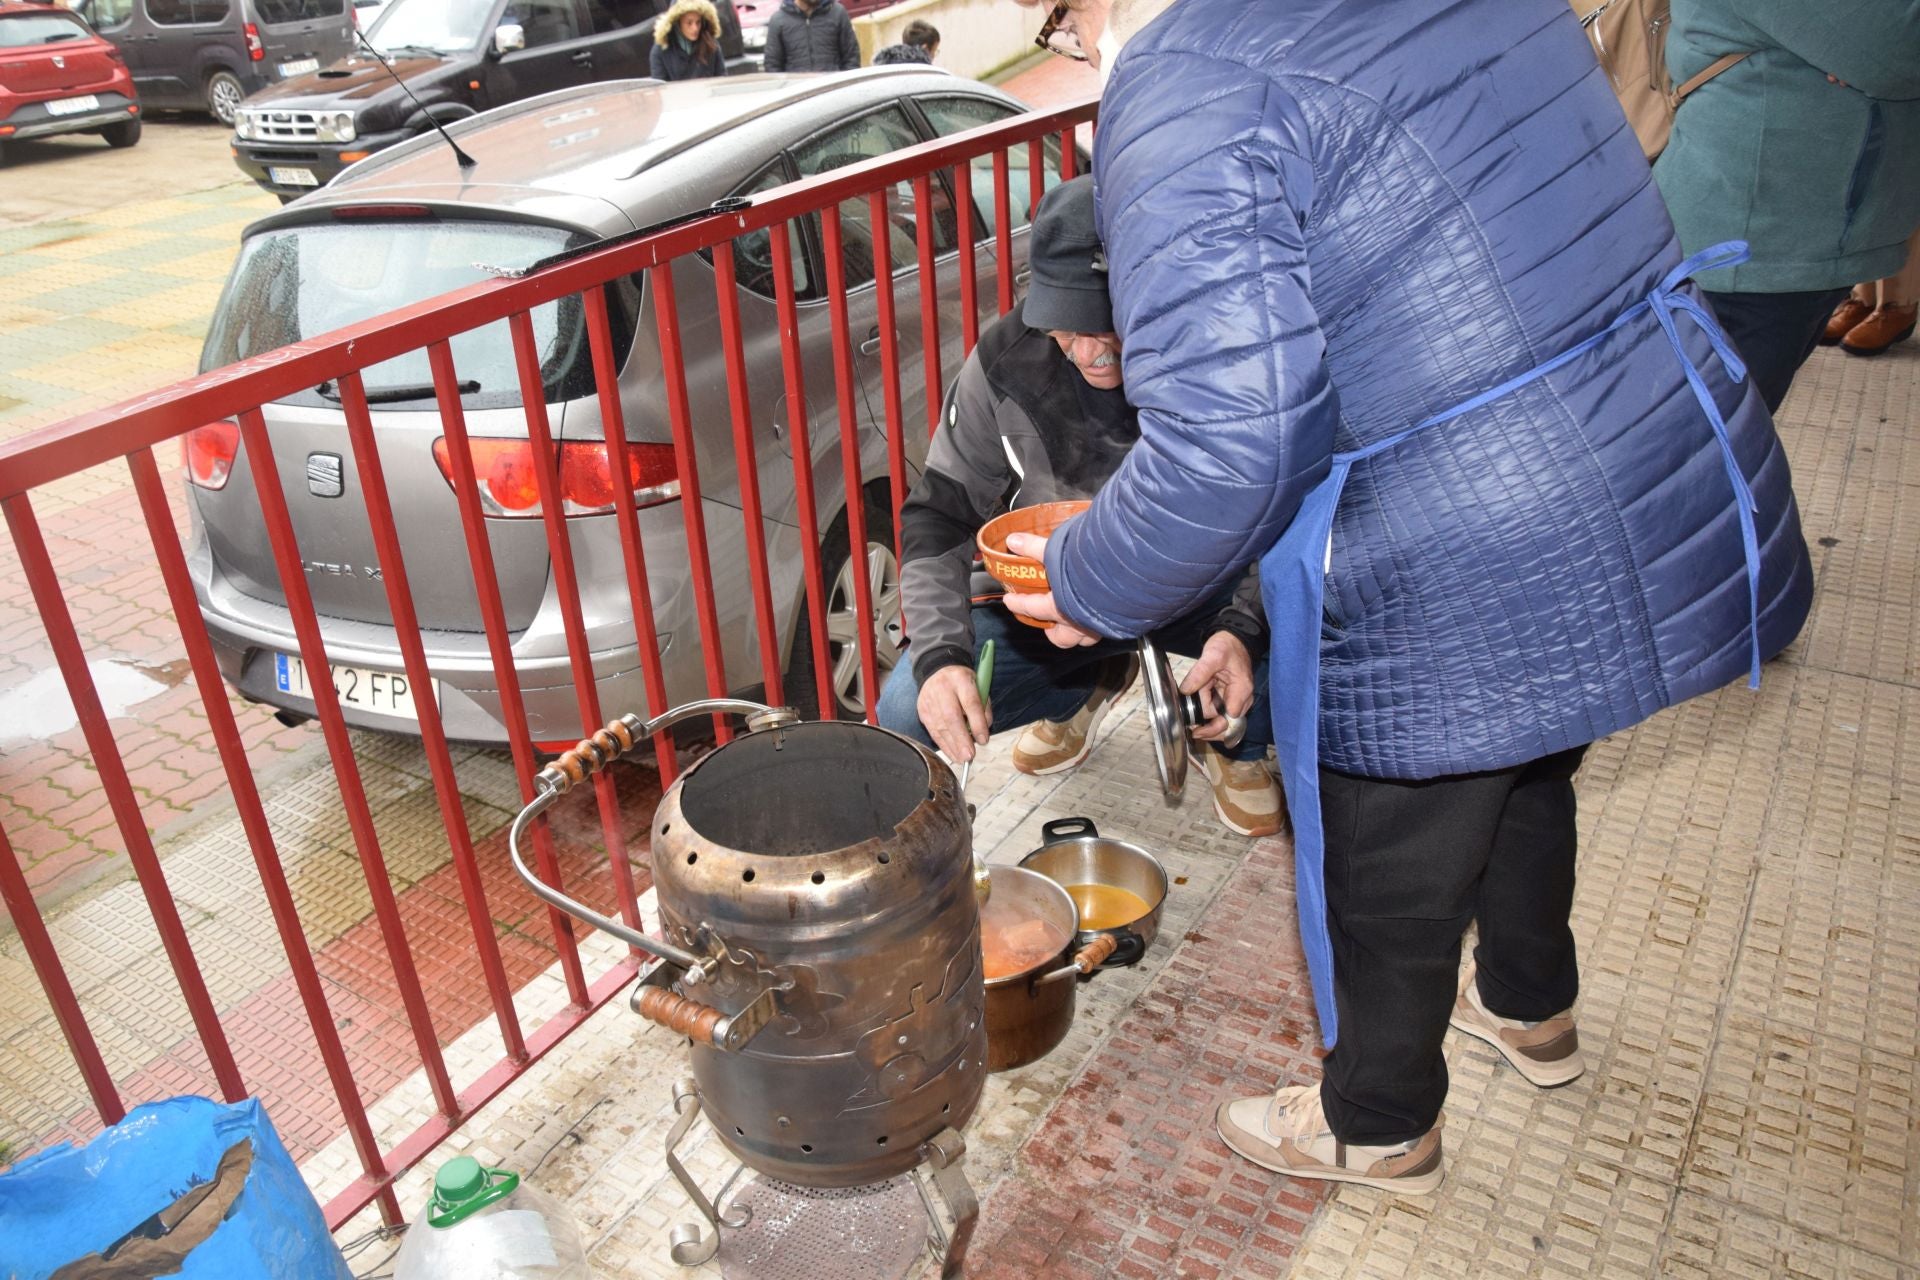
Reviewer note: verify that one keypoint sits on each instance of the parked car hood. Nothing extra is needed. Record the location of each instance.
(352, 81)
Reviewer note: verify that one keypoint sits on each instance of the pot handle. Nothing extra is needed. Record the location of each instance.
(1063, 829)
(675, 1012)
(1085, 960)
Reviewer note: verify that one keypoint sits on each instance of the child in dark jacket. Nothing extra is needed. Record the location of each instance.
(686, 42)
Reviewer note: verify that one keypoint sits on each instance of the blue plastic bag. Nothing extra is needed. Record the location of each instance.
(204, 1188)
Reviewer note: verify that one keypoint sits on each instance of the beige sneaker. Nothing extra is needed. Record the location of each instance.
(1246, 796)
(1055, 746)
(1287, 1133)
(1546, 1053)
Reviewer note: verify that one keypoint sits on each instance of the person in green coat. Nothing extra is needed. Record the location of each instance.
(1808, 149)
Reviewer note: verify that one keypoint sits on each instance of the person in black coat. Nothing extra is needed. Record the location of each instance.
(811, 35)
(919, 43)
(686, 42)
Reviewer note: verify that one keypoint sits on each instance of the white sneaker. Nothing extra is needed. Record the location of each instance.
(1287, 1132)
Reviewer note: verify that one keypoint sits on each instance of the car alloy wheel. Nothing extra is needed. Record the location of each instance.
(223, 96)
(844, 625)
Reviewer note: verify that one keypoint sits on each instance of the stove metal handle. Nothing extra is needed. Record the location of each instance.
(588, 757)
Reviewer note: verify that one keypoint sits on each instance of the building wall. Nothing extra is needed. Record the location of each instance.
(976, 36)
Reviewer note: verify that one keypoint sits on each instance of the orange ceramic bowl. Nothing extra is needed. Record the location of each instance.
(1022, 573)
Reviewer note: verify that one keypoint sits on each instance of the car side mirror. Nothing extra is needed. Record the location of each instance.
(509, 36)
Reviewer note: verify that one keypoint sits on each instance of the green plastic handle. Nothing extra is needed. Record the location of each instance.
(983, 672)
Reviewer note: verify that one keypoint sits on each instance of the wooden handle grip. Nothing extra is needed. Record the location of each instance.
(677, 1013)
(590, 755)
(1096, 953)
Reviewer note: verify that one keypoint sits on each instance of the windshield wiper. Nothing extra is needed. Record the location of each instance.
(393, 395)
(413, 48)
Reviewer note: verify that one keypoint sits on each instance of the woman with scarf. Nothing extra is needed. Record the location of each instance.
(686, 42)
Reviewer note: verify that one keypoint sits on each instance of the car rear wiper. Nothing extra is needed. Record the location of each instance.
(64, 35)
(394, 395)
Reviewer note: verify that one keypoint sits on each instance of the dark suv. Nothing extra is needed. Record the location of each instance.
(207, 55)
(459, 57)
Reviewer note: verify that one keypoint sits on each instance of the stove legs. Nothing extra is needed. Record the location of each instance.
(941, 1157)
(691, 1245)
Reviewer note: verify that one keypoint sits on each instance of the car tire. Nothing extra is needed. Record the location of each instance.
(223, 95)
(124, 134)
(836, 569)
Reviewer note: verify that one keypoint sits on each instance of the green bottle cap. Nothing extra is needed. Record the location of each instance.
(459, 1180)
(463, 1186)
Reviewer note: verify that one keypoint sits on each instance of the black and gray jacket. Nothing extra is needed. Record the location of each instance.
(1021, 427)
(822, 40)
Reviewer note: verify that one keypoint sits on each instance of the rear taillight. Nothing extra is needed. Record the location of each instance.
(509, 489)
(255, 49)
(209, 453)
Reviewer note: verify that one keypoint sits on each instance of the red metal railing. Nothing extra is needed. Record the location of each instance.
(131, 430)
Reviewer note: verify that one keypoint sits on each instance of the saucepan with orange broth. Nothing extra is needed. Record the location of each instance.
(1118, 888)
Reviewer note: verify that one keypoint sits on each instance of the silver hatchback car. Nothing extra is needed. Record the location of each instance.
(553, 173)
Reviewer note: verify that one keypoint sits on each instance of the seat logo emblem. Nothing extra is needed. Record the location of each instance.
(59, 61)
(326, 478)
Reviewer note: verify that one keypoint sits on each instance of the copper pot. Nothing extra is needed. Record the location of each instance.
(1030, 1010)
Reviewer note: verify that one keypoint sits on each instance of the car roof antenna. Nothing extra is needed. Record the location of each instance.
(465, 161)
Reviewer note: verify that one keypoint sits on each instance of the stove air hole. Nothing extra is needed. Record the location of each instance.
(742, 1132)
(881, 1141)
(819, 877)
(747, 875)
(945, 1107)
(807, 1147)
(885, 858)
(665, 827)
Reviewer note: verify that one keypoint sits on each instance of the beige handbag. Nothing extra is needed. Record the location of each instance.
(1629, 38)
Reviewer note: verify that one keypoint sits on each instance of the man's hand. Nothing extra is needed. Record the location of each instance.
(1038, 605)
(950, 709)
(1225, 672)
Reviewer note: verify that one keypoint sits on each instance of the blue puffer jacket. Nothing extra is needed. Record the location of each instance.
(1327, 220)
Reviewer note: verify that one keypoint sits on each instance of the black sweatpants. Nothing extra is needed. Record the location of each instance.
(1408, 865)
(1775, 333)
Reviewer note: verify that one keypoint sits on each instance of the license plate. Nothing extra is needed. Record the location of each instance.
(292, 177)
(68, 106)
(387, 692)
(299, 67)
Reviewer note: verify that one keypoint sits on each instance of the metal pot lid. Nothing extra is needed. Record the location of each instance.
(1166, 719)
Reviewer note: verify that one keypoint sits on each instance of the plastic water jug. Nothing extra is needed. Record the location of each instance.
(486, 1224)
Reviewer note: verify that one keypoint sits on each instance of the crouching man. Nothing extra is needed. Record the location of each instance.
(1038, 415)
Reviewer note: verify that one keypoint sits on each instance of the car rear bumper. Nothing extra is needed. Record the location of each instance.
(34, 120)
(322, 159)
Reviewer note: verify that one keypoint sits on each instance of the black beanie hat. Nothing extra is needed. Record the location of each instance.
(1069, 286)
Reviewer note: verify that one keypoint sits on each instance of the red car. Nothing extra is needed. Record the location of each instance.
(57, 76)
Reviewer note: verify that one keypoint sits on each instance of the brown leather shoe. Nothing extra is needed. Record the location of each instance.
(1848, 314)
(1881, 330)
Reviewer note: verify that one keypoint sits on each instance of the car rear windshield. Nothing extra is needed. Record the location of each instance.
(25, 30)
(275, 12)
(298, 282)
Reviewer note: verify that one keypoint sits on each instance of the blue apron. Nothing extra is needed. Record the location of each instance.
(1293, 584)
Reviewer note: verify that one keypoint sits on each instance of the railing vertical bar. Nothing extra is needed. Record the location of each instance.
(923, 235)
(493, 615)
(258, 450)
(1036, 175)
(746, 460)
(225, 731)
(889, 364)
(969, 268)
(45, 960)
(1069, 156)
(633, 551)
(858, 551)
(1003, 231)
(802, 467)
(666, 314)
(433, 735)
(70, 655)
(533, 400)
